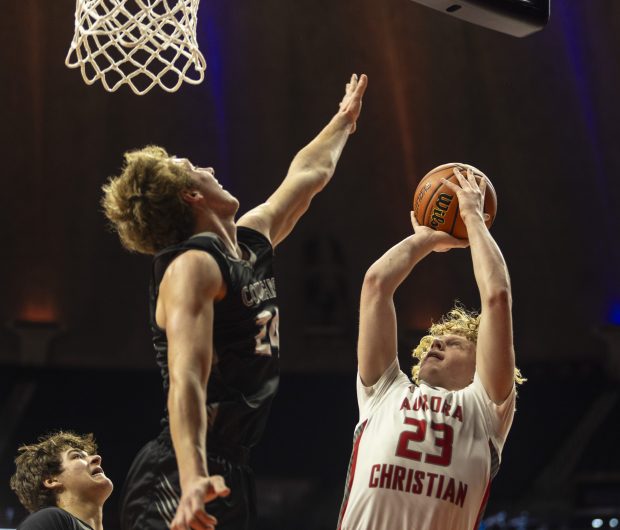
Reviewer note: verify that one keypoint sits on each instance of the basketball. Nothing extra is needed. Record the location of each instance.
(437, 206)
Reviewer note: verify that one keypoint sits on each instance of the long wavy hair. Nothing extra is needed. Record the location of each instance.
(144, 203)
(458, 321)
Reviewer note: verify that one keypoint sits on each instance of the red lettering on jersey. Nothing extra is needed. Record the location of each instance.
(401, 478)
(460, 496)
(374, 481)
(446, 408)
(458, 413)
(421, 402)
(448, 495)
(402, 449)
(435, 403)
(405, 405)
(409, 478)
(445, 443)
(399, 475)
(439, 486)
(431, 481)
(386, 475)
(419, 477)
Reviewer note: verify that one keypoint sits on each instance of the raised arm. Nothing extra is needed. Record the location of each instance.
(495, 356)
(190, 287)
(377, 340)
(310, 171)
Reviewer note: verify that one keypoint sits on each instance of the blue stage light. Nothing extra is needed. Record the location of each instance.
(614, 313)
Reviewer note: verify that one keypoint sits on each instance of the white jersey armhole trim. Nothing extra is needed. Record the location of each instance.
(369, 397)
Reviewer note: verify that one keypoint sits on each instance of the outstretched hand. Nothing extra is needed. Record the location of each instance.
(351, 104)
(442, 241)
(191, 514)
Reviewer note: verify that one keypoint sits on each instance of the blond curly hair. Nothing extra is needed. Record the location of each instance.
(458, 321)
(144, 203)
(39, 461)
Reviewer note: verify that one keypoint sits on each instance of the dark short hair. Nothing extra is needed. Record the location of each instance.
(37, 462)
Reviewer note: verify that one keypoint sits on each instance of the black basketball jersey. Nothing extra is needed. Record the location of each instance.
(245, 371)
(53, 518)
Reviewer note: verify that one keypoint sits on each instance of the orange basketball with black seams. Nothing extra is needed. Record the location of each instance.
(437, 206)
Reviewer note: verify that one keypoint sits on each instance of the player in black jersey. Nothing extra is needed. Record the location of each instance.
(215, 322)
(61, 481)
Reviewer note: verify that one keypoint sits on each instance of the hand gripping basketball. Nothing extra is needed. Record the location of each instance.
(442, 241)
(470, 193)
(437, 198)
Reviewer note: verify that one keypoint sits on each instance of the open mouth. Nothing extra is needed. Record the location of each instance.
(434, 354)
(97, 471)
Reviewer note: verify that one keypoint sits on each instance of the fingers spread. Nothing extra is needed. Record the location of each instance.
(483, 186)
(361, 85)
(451, 185)
(459, 176)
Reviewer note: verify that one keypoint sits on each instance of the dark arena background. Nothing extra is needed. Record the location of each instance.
(539, 115)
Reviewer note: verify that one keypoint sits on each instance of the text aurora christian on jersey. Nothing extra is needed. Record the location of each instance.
(394, 477)
(435, 404)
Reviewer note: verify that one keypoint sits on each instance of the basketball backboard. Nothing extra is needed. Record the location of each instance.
(514, 17)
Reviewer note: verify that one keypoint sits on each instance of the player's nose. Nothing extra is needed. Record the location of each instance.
(438, 344)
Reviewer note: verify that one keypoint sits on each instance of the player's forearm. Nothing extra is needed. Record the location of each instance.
(188, 426)
(316, 162)
(391, 269)
(490, 268)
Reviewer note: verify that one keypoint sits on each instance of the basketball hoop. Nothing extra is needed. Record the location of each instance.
(141, 43)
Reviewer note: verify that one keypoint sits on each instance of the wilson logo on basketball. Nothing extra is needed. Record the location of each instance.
(435, 204)
(441, 207)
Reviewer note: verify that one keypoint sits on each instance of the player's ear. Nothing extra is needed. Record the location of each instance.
(191, 196)
(52, 483)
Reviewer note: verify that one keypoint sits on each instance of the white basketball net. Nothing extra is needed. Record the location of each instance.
(141, 43)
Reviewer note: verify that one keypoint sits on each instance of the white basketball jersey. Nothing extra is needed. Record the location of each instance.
(423, 457)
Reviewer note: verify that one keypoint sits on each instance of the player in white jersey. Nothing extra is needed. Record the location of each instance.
(424, 453)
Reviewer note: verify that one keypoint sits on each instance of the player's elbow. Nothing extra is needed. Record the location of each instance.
(376, 284)
(498, 298)
(189, 374)
(184, 387)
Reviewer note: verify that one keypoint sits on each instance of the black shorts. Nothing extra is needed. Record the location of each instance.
(151, 492)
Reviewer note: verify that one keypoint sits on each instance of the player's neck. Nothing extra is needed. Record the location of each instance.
(88, 512)
(224, 228)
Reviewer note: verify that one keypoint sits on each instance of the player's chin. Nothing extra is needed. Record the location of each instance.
(430, 374)
(231, 201)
